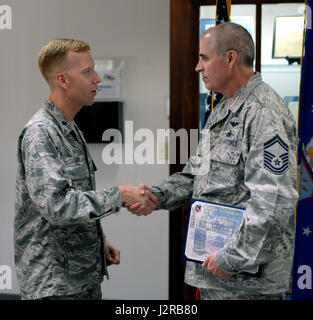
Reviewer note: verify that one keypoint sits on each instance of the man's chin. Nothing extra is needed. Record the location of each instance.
(88, 104)
(210, 88)
(207, 86)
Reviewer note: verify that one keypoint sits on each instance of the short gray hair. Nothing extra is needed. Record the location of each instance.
(232, 36)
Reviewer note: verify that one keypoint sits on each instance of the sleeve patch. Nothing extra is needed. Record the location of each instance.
(276, 155)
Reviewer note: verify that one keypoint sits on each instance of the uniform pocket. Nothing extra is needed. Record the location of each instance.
(227, 146)
(81, 252)
(226, 154)
(76, 168)
(78, 173)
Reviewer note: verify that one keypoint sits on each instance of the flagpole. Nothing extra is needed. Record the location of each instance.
(228, 9)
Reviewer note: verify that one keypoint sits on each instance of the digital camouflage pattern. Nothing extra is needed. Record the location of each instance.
(92, 294)
(243, 130)
(211, 294)
(59, 242)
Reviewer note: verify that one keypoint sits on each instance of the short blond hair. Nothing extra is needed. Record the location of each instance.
(55, 51)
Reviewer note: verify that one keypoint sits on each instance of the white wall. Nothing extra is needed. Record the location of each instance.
(137, 31)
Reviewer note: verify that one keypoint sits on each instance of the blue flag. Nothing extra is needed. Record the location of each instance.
(222, 15)
(303, 259)
(212, 99)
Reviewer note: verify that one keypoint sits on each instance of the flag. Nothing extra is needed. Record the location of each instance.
(222, 15)
(303, 258)
(212, 99)
(222, 11)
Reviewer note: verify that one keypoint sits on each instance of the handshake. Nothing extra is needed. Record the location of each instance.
(138, 200)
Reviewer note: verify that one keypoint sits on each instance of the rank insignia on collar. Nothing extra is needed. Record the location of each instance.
(276, 155)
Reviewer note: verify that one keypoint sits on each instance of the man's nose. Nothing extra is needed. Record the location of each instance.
(98, 78)
(198, 67)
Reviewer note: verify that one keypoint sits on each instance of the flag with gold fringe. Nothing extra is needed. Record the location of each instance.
(303, 258)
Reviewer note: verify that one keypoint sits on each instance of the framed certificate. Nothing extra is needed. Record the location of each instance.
(288, 36)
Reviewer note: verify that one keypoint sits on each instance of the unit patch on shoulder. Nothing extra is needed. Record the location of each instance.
(276, 155)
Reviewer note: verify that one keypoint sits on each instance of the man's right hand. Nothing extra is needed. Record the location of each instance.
(140, 208)
(139, 200)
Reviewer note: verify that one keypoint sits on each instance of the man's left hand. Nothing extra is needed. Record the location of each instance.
(112, 254)
(211, 264)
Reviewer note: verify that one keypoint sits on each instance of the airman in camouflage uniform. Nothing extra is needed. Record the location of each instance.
(60, 248)
(252, 165)
(59, 243)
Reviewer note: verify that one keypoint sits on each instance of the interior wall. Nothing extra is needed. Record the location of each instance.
(138, 32)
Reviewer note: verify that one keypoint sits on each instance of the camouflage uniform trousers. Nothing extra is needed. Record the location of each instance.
(92, 294)
(212, 294)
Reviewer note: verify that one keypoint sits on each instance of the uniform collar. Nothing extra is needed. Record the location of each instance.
(58, 115)
(242, 94)
(234, 103)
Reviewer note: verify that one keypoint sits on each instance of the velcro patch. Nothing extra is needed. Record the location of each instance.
(276, 155)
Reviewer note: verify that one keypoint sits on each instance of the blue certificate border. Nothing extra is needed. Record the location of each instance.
(192, 201)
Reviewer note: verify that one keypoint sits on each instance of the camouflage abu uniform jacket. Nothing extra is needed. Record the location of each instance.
(59, 243)
(252, 164)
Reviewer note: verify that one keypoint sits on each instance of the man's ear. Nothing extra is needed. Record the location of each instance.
(232, 57)
(61, 80)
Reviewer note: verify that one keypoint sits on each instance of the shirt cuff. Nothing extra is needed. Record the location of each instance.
(221, 260)
(159, 195)
(115, 198)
